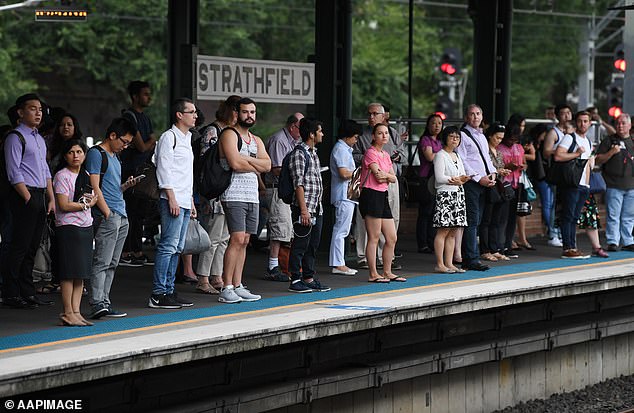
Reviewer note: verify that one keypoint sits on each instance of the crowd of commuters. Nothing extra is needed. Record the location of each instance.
(476, 185)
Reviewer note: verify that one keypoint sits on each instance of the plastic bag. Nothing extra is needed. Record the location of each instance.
(197, 239)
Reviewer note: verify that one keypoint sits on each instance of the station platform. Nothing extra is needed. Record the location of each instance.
(36, 355)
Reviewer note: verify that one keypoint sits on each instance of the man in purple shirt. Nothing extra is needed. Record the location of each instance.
(30, 200)
(474, 152)
(280, 228)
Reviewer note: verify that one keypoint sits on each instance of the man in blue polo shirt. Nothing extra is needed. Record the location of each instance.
(110, 217)
(30, 200)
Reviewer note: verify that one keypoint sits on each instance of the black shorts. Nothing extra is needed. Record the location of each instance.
(374, 204)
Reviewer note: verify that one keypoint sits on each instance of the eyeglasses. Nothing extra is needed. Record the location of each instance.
(189, 112)
(125, 143)
(374, 114)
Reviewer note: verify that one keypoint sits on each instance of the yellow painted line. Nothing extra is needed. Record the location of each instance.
(267, 310)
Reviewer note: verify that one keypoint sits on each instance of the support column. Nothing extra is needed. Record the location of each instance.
(333, 84)
(628, 46)
(492, 21)
(182, 27)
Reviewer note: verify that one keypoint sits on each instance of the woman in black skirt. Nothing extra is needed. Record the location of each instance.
(376, 174)
(73, 220)
(451, 211)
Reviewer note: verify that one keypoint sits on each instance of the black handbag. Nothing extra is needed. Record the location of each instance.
(567, 174)
(411, 181)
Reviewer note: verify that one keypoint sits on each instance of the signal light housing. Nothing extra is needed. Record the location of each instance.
(60, 14)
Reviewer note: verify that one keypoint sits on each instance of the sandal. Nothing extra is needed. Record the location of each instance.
(49, 289)
(379, 280)
(398, 279)
(526, 246)
(206, 289)
(192, 279)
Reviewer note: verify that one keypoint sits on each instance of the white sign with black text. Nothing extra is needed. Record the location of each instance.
(262, 80)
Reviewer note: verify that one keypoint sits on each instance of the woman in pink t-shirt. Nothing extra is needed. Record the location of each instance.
(73, 223)
(376, 175)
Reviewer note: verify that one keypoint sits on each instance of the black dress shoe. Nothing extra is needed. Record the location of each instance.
(628, 248)
(613, 247)
(475, 266)
(34, 299)
(18, 302)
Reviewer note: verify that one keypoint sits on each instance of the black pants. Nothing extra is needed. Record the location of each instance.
(301, 261)
(425, 231)
(28, 224)
(135, 208)
(493, 227)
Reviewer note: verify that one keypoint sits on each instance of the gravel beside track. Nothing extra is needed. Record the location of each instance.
(611, 396)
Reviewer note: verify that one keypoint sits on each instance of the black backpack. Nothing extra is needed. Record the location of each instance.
(197, 145)
(285, 187)
(5, 185)
(212, 179)
(104, 161)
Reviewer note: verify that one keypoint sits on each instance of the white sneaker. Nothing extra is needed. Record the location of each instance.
(228, 295)
(555, 242)
(242, 292)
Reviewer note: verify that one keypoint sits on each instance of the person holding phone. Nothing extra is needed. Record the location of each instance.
(73, 222)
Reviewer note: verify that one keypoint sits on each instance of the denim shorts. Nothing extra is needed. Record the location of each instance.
(242, 216)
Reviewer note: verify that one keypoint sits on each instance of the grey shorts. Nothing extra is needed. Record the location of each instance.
(279, 224)
(242, 216)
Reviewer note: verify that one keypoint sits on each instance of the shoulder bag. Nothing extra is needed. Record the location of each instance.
(566, 174)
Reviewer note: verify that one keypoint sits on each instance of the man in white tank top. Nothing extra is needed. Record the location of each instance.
(240, 199)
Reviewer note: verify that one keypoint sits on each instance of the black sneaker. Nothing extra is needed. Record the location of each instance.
(163, 301)
(299, 286)
(316, 286)
(398, 254)
(114, 313)
(181, 301)
(98, 312)
(613, 247)
(275, 274)
(130, 262)
(145, 260)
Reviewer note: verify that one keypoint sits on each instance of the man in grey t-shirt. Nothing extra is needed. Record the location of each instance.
(280, 228)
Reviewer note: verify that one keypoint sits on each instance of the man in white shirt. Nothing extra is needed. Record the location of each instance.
(175, 173)
(570, 147)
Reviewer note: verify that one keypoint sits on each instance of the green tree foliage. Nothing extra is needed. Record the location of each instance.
(119, 42)
(380, 57)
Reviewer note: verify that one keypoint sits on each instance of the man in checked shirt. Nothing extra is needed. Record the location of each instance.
(306, 209)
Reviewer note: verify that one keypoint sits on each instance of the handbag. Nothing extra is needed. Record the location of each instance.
(197, 240)
(597, 183)
(524, 207)
(355, 185)
(411, 180)
(528, 186)
(567, 174)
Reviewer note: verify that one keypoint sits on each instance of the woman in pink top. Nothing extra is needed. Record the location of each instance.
(513, 156)
(73, 221)
(376, 175)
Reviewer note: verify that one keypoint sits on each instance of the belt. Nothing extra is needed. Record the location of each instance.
(271, 185)
(35, 189)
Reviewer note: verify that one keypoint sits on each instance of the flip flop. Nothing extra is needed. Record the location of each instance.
(397, 279)
(379, 280)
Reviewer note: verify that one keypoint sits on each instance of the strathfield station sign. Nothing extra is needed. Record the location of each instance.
(262, 80)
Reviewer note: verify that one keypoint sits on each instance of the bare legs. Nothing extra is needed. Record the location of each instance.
(71, 300)
(444, 248)
(234, 258)
(374, 228)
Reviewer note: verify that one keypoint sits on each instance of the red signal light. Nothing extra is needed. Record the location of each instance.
(448, 68)
(615, 111)
(620, 65)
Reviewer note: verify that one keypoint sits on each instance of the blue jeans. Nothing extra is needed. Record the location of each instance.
(475, 196)
(620, 211)
(173, 232)
(572, 203)
(547, 198)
